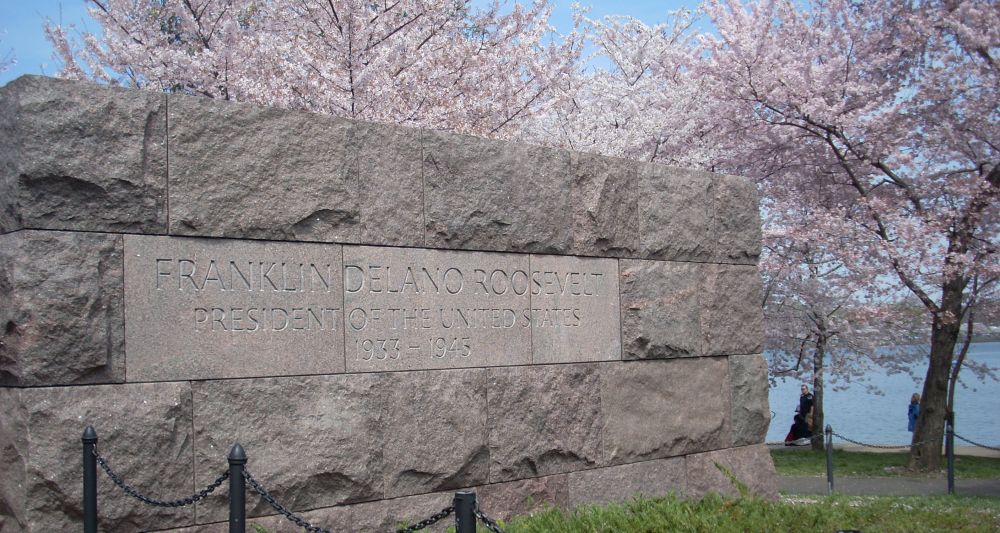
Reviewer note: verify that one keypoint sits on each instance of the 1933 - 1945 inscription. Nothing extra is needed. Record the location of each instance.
(225, 308)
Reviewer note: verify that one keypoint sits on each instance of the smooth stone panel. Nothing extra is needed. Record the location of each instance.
(751, 466)
(575, 314)
(730, 311)
(648, 479)
(735, 219)
(312, 441)
(751, 410)
(660, 309)
(144, 433)
(482, 194)
(61, 313)
(658, 409)
(82, 156)
(238, 170)
(212, 308)
(544, 420)
(436, 431)
(422, 309)
(675, 223)
(605, 206)
(386, 165)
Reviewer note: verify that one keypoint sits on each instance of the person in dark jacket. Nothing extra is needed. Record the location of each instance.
(799, 434)
(805, 405)
(913, 412)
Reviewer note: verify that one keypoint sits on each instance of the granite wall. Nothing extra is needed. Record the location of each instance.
(379, 315)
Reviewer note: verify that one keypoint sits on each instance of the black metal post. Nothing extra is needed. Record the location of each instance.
(237, 490)
(829, 459)
(950, 450)
(89, 480)
(465, 512)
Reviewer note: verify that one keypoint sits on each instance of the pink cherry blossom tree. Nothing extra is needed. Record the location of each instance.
(881, 118)
(427, 63)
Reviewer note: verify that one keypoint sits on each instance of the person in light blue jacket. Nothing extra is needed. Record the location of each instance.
(913, 412)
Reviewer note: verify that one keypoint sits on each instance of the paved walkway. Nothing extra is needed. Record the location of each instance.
(888, 486)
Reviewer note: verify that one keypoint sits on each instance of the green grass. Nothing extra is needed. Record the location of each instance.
(748, 514)
(716, 514)
(799, 462)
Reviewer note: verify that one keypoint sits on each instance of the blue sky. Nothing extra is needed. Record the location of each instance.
(21, 25)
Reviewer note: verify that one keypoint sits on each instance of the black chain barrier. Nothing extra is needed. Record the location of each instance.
(881, 446)
(488, 522)
(181, 502)
(310, 528)
(994, 448)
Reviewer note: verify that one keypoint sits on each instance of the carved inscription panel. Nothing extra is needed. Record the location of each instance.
(419, 309)
(213, 308)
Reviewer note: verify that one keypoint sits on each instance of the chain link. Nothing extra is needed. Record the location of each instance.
(957, 436)
(299, 521)
(131, 491)
(881, 446)
(428, 521)
(488, 522)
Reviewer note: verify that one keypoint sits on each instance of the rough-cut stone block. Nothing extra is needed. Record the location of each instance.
(657, 409)
(81, 156)
(490, 195)
(750, 465)
(605, 206)
(436, 433)
(660, 309)
(674, 214)
(575, 314)
(751, 411)
(735, 219)
(621, 483)
(423, 309)
(544, 420)
(503, 501)
(730, 311)
(214, 308)
(311, 441)
(239, 170)
(385, 162)
(61, 320)
(13, 461)
(144, 433)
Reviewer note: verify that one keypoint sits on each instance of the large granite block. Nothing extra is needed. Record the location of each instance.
(649, 479)
(144, 433)
(575, 315)
(751, 410)
(730, 312)
(751, 466)
(605, 206)
(658, 409)
(503, 501)
(675, 223)
(422, 309)
(385, 164)
(311, 441)
(215, 308)
(239, 170)
(435, 431)
(735, 219)
(62, 315)
(660, 309)
(490, 195)
(544, 420)
(81, 156)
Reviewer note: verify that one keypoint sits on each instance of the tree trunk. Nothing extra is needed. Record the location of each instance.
(817, 414)
(929, 431)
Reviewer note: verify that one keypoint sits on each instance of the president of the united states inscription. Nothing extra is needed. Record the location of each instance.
(210, 308)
